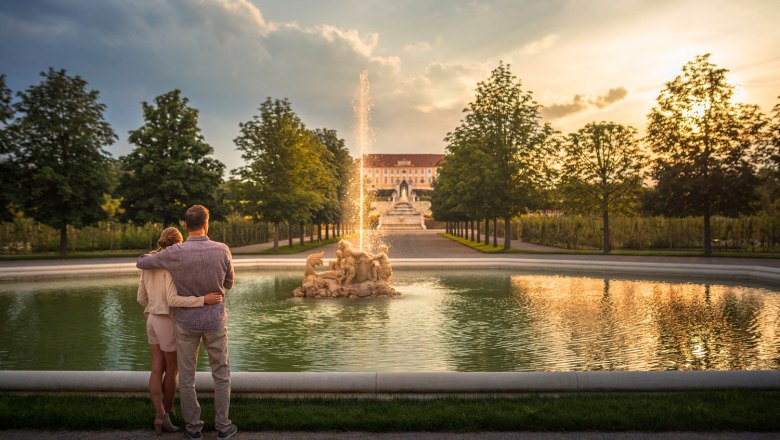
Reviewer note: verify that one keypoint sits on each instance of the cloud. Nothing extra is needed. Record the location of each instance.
(613, 95)
(419, 47)
(581, 103)
(557, 111)
(538, 46)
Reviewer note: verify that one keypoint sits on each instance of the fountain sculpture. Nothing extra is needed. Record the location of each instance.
(353, 274)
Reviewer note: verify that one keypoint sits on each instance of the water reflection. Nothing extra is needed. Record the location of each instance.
(445, 321)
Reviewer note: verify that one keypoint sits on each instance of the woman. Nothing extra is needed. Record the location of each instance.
(157, 293)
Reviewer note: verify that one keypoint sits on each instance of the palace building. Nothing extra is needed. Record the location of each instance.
(401, 172)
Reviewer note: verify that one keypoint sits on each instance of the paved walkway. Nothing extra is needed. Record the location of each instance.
(242, 435)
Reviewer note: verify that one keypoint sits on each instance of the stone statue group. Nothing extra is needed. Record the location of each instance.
(353, 274)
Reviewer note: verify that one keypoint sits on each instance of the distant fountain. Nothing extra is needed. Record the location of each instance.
(355, 273)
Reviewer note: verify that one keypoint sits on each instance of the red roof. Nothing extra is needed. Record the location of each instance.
(391, 160)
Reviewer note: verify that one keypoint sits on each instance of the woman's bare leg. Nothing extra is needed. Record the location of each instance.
(156, 379)
(169, 382)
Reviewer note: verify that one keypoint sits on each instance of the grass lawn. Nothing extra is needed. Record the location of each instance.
(489, 248)
(706, 411)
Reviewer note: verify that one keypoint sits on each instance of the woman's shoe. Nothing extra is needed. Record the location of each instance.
(158, 425)
(167, 425)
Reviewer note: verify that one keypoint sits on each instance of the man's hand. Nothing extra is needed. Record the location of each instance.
(213, 298)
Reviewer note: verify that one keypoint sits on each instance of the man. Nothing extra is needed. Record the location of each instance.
(199, 266)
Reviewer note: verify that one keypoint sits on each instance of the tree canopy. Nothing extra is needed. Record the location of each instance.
(170, 169)
(511, 171)
(59, 139)
(704, 142)
(602, 170)
(9, 182)
(285, 175)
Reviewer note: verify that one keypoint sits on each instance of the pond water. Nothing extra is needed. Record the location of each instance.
(444, 321)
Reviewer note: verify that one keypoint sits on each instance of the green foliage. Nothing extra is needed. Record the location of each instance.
(704, 143)
(25, 236)
(60, 135)
(340, 166)
(289, 171)
(9, 170)
(497, 159)
(601, 171)
(769, 153)
(170, 168)
(747, 233)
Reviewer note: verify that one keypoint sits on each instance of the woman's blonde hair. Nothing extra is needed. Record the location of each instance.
(169, 237)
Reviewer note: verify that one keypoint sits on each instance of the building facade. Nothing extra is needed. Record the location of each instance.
(401, 172)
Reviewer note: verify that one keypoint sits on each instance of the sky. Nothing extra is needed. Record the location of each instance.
(583, 60)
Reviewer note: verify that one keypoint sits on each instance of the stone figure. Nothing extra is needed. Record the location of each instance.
(353, 274)
(381, 269)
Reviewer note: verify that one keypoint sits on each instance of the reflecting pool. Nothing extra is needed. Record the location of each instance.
(498, 320)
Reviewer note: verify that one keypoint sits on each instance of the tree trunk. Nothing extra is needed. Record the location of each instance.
(319, 231)
(471, 224)
(495, 231)
(487, 231)
(276, 236)
(707, 235)
(290, 234)
(64, 240)
(327, 231)
(507, 231)
(605, 221)
(302, 233)
(478, 236)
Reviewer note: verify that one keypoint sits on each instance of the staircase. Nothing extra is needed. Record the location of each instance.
(401, 216)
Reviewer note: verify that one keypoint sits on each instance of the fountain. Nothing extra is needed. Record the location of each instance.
(354, 273)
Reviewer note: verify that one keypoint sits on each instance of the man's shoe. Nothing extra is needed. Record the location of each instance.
(228, 432)
(193, 435)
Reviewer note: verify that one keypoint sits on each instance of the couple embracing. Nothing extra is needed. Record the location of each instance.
(189, 278)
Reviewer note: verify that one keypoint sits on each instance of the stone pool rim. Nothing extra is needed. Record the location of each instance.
(764, 274)
(405, 384)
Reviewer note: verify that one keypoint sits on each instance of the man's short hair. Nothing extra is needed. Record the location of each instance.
(196, 217)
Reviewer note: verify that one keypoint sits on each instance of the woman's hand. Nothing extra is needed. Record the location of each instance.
(213, 298)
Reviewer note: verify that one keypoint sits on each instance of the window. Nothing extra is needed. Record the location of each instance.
(429, 171)
(385, 179)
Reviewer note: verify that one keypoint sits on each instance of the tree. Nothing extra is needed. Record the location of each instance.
(60, 136)
(602, 168)
(506, 122)
(770, 155)
(703, 141)
(340, 166)
(284, 172)
(9, 175)
(464, 180)
(170, 168)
